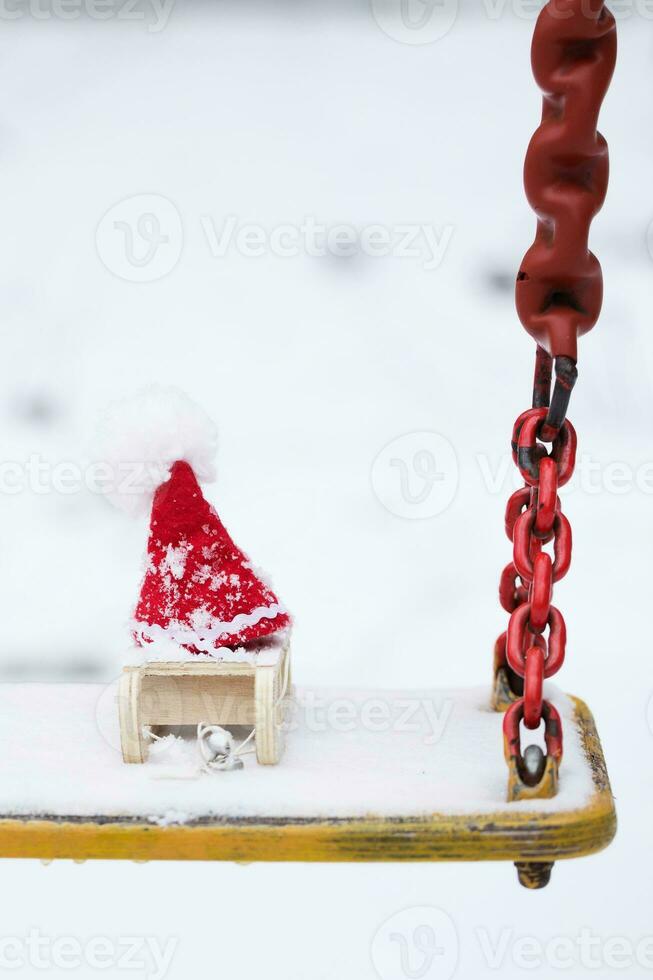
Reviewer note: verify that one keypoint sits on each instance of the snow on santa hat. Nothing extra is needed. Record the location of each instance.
(200, 591)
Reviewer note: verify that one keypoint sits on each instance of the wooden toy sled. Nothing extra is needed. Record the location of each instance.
(210, 693)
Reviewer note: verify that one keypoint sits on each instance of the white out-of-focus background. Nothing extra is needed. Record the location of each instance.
(310, 217)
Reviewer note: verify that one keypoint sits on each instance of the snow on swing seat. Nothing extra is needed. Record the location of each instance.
(365, 775)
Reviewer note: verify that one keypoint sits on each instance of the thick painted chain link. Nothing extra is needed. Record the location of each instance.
(560, 286)
(559, 295)
(534, 519)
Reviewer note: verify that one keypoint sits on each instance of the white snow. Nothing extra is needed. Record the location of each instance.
(349, 753)
(175, 560)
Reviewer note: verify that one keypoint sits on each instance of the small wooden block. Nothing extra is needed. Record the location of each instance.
(210, 693)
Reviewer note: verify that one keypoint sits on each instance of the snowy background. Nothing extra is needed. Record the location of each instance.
(128, 145)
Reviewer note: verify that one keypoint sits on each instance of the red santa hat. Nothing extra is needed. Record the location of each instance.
(200, 591)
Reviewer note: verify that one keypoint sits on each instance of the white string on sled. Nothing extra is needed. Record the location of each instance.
(230, 759)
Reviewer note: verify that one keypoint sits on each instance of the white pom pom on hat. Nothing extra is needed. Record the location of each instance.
(139, 438)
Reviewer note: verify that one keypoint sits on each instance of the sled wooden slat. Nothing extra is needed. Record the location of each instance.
(507, 835)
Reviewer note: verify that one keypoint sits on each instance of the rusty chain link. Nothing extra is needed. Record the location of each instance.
(558, 295)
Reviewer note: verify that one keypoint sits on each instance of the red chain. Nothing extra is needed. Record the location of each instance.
(552, 729)
(559, 295)
(534, 519)
(560, 287)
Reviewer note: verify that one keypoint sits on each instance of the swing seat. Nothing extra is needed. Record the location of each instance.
(366, 776)
(184, 693)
